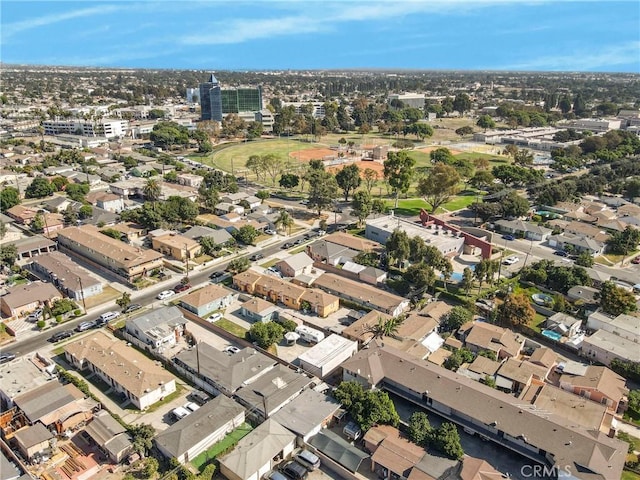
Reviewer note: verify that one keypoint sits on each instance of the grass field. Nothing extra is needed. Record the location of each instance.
(201, 461)
(232, 327)
(412, 206)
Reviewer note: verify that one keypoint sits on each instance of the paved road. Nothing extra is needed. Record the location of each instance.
(145, 297)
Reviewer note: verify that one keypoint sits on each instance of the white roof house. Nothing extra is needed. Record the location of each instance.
(327, 355)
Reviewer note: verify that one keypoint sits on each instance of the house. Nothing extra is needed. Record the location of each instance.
(365, 295)
(190, 180)
(515, 375)
(368, 274)
(544, 356)
(223, 208)
(520, 228)
(272, 390)
(157, 328)
(58, 407)
(585, 230)
(219, 236)
(130, 374)
(484, 336)
(258, 452)
(176, 246)
(307, 414)
(52, 223)
(21, 214)
(337, 449)
(578, 243)
(208, 299)
(130, 232)
(624, 326)
(258, 310)
(143, 171)
(564, 324)
(253, 201)
(109, 436)
(326, 356)
(217, 372)
(33, 441)
(126, 261)
(598, 384)
(195, 433)
(584, 294)
(23, 299)
(234, 198)
(322, 251)
(604, 347)
(71, 279)
(58, 204)
(107, 201)
(480, 368)
(550, 440)
(298, 264)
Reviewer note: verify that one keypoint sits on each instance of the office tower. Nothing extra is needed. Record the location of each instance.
(216, 102)
(211, 100)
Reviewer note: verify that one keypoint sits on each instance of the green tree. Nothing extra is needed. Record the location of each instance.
(9, 197)
(482, 179)
(256, 165)
(209, 246)
(284, 221)
(124, 301)
(399, 171)
(3, 230)
(239, 265)
(77, 191)
(585, 259)
(447, 440)
(467, 280)
(70, 216)
(515, 310)
(378, 206)
(457, 317)
(150, 467)
(289, 181)
(439, 185)
(523, 157)
(246, 234)
(152, 190)
(85, 211)
(457, 358)
(634, 400)
(142, 437)
(362, 205)
(466, 130)
(8, 254)
(420, 276)
(462, 103)
(370, 177)
(40, 187)
(420, 430)
(384, 327)
(323, 188)
(513, 205)
(615, 300)
(632, 189)
(266, 333)
(263, 195)
(348, 179)
(398, 247)
(485, 121)
(441, 155)
(37, 224)
(208, 197)
(623, 243)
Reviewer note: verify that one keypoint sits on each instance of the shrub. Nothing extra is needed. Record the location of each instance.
(77, 312)
(41, 324)
(58, 318)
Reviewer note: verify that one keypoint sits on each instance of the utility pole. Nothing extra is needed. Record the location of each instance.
(84, 304)
(186, 260)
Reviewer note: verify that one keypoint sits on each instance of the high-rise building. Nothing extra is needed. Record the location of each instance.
(216, 102)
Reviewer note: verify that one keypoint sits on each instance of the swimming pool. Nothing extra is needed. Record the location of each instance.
(552, 335)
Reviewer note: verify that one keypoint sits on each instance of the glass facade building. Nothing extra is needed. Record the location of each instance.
(216, 102)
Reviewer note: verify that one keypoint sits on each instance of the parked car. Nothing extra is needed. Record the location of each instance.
(561, 253)
(165, 294)
(308, 460)
(181, 287)
(511, 260)
(304, 202)
(214, 317)
(108, 316)
(200, 397)
(35, 315)
(636, 260)
(132, 308)
(294, 471)
(179, 413)
(508, 237)
(6, 357)
(86, 326)
(231, 349)
(287, 245)
(191, 406)
(57, 337)
(275, 476)
(216, 275)
(268, 231)
(321, 232)
(256, 256)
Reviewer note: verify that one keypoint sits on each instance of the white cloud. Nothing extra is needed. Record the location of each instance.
(11, 29)
(607, 57)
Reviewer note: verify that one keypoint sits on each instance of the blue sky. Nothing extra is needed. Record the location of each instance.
(555, 35)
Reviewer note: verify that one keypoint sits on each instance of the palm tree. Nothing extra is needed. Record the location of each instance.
(384, 328)
(284, 221)
(152, 190)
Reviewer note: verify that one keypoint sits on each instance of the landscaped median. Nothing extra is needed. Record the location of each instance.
(222, 447)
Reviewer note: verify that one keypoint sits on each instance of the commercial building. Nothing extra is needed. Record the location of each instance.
(216, 102)
(125, 260)
(128, 372)
(198, 431)
(98, 128)
(72, 280)
(410, 99)
(550, 440)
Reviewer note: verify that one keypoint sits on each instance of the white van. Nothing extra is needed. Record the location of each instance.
(309, 334)
(179, 413)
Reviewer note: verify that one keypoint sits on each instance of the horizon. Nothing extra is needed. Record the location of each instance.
(493, 36)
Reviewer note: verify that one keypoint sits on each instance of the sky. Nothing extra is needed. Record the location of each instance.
(522, 35)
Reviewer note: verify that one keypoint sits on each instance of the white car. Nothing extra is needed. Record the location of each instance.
(231, 349)
(215, 317)
(165, 294)
(270, 232)
(108, 316)
(191, 406)
(511, 260)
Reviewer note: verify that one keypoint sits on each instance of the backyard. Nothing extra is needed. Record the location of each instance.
(224, 445)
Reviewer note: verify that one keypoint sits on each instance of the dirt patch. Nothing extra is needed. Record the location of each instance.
(363, 165)
(430, 149)
(313, 154)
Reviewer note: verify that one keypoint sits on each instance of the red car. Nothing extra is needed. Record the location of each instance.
(181, 287)
(636, 260)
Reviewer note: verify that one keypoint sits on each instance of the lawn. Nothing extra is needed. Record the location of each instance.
(408, 207)
(270, 263)
(627, 475)
(459, 202)
(231, 327)
(201, 461)
(633, 417)
(168, 399)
